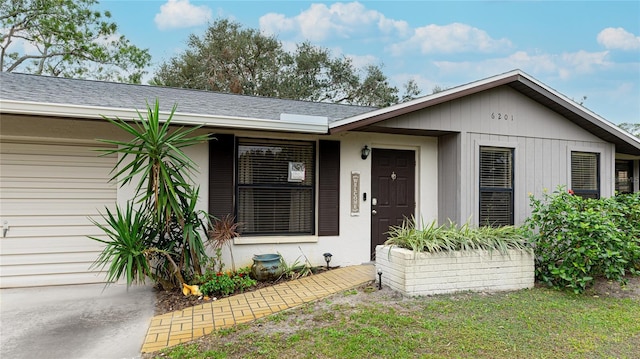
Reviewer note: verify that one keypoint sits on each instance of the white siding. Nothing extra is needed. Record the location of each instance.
(48, 192)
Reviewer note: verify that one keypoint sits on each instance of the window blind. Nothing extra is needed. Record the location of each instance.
(585, 174)
(496, 186)
(276, 186)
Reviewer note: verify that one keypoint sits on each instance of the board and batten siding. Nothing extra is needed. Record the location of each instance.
(449, 178)
(48, 193)
(540, 165)
(542, 139)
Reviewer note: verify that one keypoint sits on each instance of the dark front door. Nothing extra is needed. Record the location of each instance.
(392, 191)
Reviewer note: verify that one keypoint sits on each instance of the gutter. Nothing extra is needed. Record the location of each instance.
(286, 123)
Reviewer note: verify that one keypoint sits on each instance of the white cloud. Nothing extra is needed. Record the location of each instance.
(273, 24)
(564, 66)
(360, 61)
(180, 14)
(451, 38)
(618, 39)
(320, 22)
(585, 62)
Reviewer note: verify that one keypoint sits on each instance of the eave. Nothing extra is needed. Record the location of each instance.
(286, 123)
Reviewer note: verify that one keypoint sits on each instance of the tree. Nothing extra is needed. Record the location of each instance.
(437, 89)
(229, 58)
(66, 38)
(411, 90)
(632, 128)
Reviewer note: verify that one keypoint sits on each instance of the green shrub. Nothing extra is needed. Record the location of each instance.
(433, 238)
(226, 283)
(578, 239)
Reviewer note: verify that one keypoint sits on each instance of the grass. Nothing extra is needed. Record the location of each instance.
(536, 323)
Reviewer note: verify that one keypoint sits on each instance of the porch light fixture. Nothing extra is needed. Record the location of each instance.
(365, 152)
(379, 278)
(327, 258)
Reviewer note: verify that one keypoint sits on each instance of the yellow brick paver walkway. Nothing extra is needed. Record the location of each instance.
(184, 325)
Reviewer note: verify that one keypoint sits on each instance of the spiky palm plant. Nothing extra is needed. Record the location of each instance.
(154, 157)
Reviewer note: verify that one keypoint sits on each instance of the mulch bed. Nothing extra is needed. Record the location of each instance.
(169, 301)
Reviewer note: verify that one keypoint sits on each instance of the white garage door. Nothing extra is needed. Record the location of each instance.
(48, 192)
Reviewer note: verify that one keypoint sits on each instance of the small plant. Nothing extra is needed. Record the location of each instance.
(297, 269)
(226, 283)
(222, 284)
(221, 232)
(243, 280)
(349, 292)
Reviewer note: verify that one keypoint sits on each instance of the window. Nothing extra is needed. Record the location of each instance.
(585, 174)
(624, 176)
(496, 186)
(275, 184)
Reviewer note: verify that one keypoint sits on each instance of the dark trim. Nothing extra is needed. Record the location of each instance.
(585, 193)
(222, 175)
(630, 174)
(328, 188)
(497, 189)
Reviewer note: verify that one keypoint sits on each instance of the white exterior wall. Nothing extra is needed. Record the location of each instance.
(353, 244)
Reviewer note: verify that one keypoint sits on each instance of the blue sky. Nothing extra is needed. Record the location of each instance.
(579, 48)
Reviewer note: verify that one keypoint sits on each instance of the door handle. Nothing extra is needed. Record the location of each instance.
(374, 212)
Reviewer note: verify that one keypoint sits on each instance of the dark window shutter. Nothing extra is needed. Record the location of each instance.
(329, 188)
(221, 175)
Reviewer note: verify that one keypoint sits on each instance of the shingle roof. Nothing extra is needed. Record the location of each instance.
(64, 91)
(46, 89)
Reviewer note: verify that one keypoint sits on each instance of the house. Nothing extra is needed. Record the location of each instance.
(304, 178)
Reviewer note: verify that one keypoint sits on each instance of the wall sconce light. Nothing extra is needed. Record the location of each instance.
(379, 278)
(327, 258)
(365, 152)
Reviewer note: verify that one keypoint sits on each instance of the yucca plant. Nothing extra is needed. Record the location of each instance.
(125, 253)
(164, 191)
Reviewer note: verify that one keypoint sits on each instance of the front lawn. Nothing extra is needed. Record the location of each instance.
(366, 323)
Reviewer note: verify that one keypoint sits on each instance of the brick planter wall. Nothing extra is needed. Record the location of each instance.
(415, 274)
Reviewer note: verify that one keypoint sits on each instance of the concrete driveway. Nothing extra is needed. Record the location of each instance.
(80, 321)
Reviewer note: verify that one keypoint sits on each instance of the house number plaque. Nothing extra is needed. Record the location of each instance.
(502, 116)
(355, 193)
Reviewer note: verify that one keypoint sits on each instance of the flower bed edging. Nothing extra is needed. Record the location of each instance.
(415, 274)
